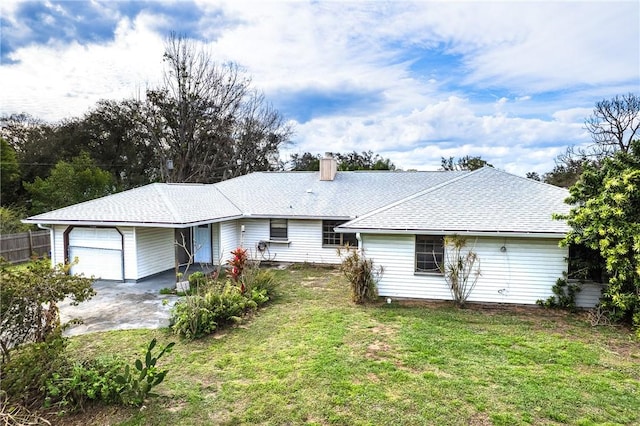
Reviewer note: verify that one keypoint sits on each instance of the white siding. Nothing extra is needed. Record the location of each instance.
(229, 239)
(130, 263)
(589, 296)
(523, 273)
(57, 248)
(304, 242)
(155, 251)
(215, 243)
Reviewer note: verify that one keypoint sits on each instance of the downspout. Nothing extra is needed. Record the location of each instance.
(360, 244)
(51, 242)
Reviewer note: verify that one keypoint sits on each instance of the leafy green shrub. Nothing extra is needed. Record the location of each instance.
(25, 375)
(136, 386)
(261, 280)
(41, 375)
(229, 304)
(190, 317)
(259, 297)
(92, 380)
(361, 274)
(28, 306)
(221, 303)
(564, 296)
(196, 280)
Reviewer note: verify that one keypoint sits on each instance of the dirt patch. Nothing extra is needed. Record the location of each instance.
(94, 415)
(630, 350)
(383, 330)
(179, 406)
(480, 419)
(372, 377)
(377, 349)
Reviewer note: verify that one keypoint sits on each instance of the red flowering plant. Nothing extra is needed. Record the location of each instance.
(238, 263)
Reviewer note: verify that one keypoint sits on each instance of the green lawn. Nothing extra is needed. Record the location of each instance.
(312, 357)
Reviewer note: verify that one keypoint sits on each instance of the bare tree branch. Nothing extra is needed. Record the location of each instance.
(614, 123)
(208, 120)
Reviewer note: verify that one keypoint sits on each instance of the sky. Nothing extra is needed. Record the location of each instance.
(511, 82)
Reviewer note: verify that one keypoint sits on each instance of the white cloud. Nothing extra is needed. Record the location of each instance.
(449, 128)
(55, 80)
(534, 46)
(519, 51)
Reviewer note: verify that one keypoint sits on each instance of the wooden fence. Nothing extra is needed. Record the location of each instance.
(16, 248)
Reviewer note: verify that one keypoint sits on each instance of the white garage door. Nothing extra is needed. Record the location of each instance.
(99, 252)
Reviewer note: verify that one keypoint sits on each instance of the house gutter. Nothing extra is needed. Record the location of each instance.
(408, 231)
(51, 241)
(135, 224)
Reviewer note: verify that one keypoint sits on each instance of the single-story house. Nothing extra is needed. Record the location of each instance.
(398, 219)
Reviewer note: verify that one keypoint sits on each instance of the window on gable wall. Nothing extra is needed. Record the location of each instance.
(330, 238)
(429, 252)
(278, 229)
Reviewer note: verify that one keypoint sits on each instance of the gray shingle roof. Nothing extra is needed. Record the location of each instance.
(487, 200)
(303, 194)
(154, 204)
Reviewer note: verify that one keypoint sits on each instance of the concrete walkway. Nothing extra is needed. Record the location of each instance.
(122, 306)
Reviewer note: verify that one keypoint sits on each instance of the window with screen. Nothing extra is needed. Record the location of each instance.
(429, 253)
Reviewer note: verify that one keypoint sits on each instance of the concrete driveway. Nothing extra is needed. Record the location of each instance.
(121, 306)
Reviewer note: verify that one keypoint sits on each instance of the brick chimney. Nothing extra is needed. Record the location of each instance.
(328, 167)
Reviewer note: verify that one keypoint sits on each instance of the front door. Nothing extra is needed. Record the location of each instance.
(202, 244)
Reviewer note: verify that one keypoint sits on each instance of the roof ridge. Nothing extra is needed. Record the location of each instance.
(221, 192)
(168, 202)
(412, 196)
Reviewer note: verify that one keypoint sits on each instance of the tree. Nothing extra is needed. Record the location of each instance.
(29, 311)
(306, 162)
(614, 123)
(30, 138)
(460, 268)
(112, 133)
(366, 160)
(205, 123)
(533, 176)
(349, 161)
(567, 170)
(613, 126)
(70, 183)
(606, 217)
(9, 174)
(10, 220)
(463, 163)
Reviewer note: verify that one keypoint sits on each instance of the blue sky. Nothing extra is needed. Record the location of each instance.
(413, 81)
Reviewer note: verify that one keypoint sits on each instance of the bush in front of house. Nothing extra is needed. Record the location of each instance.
(564, 296)
(35, 369)
(220, 302)
(43, 375)
(362, 275)
(201, 314)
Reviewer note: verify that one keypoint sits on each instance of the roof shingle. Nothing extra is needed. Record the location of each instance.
(486, 200)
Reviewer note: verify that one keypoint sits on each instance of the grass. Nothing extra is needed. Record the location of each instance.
(312, 357)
